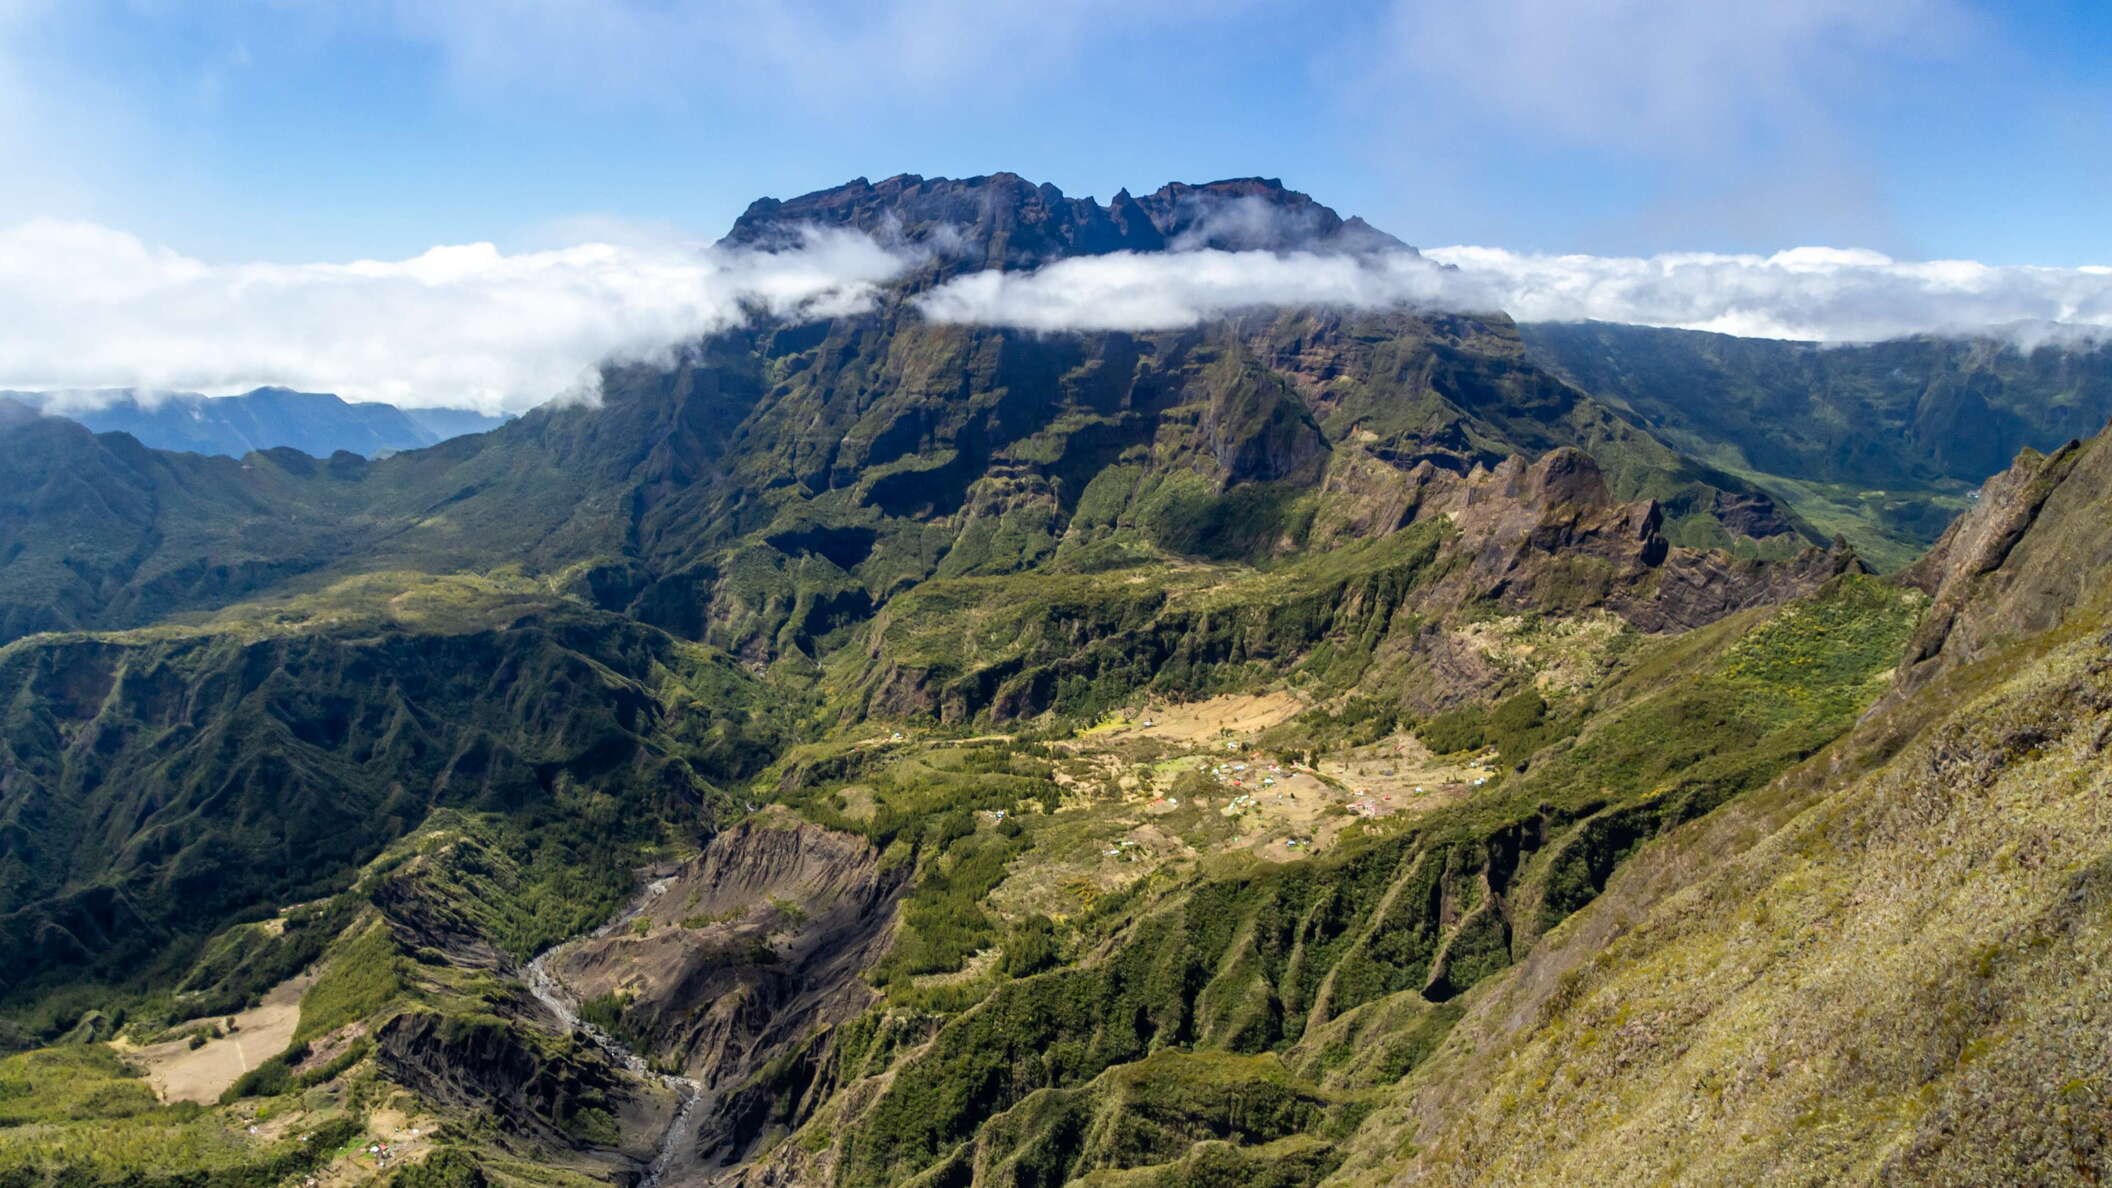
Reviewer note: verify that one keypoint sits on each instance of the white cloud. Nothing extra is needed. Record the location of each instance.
(1159, 291)
(1816, 293)
(87, 306)
(1822, 294)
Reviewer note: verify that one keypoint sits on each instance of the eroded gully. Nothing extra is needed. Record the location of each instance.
(555, 995)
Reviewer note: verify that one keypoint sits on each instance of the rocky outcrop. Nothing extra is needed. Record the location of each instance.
(1695, 587)
(1515, 519)
(1548, 536)
(2031, 552)
(1751, 514)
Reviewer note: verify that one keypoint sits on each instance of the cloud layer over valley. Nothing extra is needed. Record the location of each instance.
(1819, 294)
(91, 307)
(1816, 293)
(86, 306)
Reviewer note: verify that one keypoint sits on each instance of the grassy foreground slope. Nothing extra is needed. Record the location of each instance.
(1890, 967)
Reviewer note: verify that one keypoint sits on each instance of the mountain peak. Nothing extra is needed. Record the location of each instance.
(1003, 220)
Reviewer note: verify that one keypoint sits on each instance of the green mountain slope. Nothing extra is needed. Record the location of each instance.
(1335, 975)
(103, 531)
(872, 752)
(1888, 968)
(1880, 442)
(720, 497)
(166, 782)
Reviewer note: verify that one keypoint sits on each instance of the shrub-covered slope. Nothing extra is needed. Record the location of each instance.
(164, 782)
(1889, 968)
(1331, 976)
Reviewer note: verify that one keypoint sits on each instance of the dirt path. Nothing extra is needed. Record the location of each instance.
(179, 1072)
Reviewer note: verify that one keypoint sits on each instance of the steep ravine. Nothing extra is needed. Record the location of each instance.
(723, 965)
(561, 1002)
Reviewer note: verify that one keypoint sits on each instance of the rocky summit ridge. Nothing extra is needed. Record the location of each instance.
(1002, 220)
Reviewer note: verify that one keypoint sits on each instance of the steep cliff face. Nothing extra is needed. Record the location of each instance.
(2030, 553)
(1548, 535)
(1545, 537)
(744, 952)
(552, 1093)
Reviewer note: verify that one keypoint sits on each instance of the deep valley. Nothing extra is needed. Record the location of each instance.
(1316, 746)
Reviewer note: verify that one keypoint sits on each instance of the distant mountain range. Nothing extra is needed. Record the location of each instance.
(315, 423)
(1879, 441)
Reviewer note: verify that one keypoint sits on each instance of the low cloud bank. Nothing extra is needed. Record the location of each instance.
(1821, 294)
(1162, 291)
(85, 306)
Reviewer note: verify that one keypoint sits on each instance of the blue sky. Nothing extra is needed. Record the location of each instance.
(479, 201)
(292, 131)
